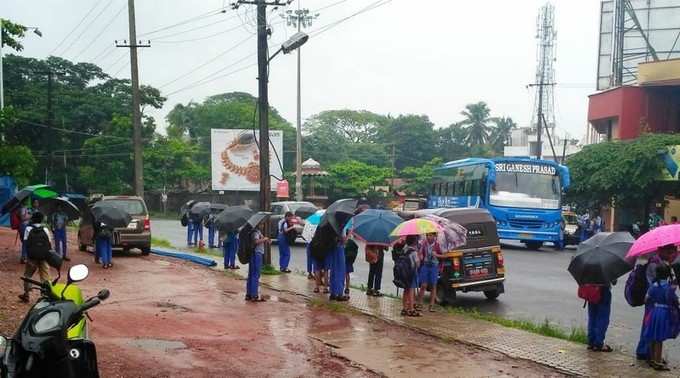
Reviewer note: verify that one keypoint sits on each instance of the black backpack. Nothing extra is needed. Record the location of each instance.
(636, 286)
(403, 271)
(38, 244)
(323, 242)
(246, 245)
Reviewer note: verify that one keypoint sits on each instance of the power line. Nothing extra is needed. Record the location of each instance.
(69, 131)
(207, 62)
(87, 28)
(215, 78)
(199, 38)
(193, 29)
(75, 28)
(101, 32)
(115, 62)
(369, 7)
(192, 19)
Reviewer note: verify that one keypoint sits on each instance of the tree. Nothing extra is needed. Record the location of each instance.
(12, 34)
(353, 178)
(477, 121)
(420, 178)
(626, 172)
(410, 138)
(501, 133)
(234, 110)
(450, 142)
(169, 163)
(351, 125)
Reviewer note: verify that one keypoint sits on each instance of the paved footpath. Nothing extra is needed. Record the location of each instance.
(568, 357)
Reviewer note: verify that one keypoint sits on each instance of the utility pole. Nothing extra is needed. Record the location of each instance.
(50, 122)
(263, 105)
(136, 113)
(301, 19)
(2, 78)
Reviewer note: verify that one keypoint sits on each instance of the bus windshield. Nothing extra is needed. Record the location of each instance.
(526, 190)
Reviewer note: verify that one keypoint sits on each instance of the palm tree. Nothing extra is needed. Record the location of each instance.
(500, 135)
(477, 122)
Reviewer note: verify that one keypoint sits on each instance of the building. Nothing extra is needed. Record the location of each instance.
(524, 142)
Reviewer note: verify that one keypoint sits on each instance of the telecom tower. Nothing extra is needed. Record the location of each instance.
(543, 115)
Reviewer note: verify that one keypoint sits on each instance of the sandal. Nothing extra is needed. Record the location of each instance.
(316, 290)
(370, 292)
(378, 294)
(431, 309)
(605, 348)
(259, 299)
(414, 314)
(347, 291)
(325, 290)
(658, 366)
(404, 312)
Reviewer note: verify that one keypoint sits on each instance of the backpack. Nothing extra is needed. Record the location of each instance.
(590, 293)
(184, 220)
(15, 220)
(38, 244)
(636, 286)
(246, 246)
(403, 272)
(323, 241)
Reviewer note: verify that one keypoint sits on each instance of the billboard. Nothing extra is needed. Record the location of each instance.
(671, 163)
(235, 158)
(633, 32)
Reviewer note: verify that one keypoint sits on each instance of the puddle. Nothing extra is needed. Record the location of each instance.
(157, 344)
(173, 306)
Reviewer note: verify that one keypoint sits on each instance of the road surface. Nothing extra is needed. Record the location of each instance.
(538, 287)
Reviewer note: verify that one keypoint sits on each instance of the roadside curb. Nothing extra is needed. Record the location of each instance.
(564, 356)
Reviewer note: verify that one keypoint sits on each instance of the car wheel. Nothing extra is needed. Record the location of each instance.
(491, 294)
(146, 251)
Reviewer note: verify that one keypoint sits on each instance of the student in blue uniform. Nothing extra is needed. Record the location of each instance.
(103, 234)
(338, 271)
(662, 322)
(253, 282)
(598, 320)
(198, 232)
(229, 247)
(285, 227)
(58, 223)
(210, 224)
(190, 231)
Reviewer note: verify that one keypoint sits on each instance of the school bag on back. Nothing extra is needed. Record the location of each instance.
(38, 244)
(246, 245)
(636, 286)
(590, 293)
(403, 272)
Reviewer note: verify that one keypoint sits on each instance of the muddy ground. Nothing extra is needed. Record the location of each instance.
(167, 318)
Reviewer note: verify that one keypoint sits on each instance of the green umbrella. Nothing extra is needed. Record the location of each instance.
(35, 191)
(41, 191)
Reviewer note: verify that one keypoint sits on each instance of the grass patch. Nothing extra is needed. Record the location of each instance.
(160, 242)
(336, 307)
(546, 328)
(362, 287)
(270, 270)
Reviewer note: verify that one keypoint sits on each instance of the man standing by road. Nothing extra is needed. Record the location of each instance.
(58, 223)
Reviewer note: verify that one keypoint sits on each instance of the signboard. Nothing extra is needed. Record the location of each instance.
(671, 163)
(526, 168)
(235, 159)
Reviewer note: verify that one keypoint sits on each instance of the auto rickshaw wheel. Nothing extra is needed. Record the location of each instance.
(491, 294)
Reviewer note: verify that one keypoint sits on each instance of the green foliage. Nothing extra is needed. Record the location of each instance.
(622, 171)
(420, 178)
(477, 119)
(234, 110)
(160, 242)
(354, 179)
(171, 162)
(12, 33)
(411, 136)
(500, 135)
(270, 270)
(18, 162)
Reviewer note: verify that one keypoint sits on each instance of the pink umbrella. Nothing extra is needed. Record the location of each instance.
(652, 240)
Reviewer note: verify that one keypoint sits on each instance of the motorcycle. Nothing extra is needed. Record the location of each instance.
(52, 340)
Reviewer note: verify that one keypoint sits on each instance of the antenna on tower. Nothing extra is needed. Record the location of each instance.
(543, 115)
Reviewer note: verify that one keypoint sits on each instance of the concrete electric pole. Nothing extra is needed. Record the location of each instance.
(136, 113)
(299, 18)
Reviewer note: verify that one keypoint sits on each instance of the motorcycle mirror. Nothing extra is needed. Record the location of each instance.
(77, 273)
(103, 294)
(3, 346)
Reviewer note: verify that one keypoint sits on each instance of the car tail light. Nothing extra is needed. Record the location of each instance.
(147, 224)
(500, 261)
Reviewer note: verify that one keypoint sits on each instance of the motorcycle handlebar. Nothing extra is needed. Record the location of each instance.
(89, 304)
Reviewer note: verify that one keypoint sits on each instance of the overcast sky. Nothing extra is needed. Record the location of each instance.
(426, 57)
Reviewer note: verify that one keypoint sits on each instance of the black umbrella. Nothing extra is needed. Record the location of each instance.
(216, 208)
(233, 218)
(258, 218)
(185, 208)
(110, 215)
(602, 258)
(199, 210)
(338, 214)
(50, 206)
(305, 211)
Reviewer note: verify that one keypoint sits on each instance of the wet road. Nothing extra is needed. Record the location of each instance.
(538, 287)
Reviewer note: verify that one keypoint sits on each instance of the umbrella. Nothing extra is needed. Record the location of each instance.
(417, 226)
(232, 218)
(217, 208)
(185, 208)
(35, 191)
(374, 226)
(311, 223)
(199, 210)
(305, 211)
(258, 218)
(654, 239)
(110, 215)
(338, 213)
(602, 258)
(452, 236)
(51, 205)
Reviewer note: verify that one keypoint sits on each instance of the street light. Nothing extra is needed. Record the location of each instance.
(37, 32)
(295, 41)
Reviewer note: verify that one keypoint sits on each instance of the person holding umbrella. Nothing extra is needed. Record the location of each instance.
(103, 249)
(58, 222)
(209, 223)
(429, 255)
(229, 247)
(255, 266)
(284, 228)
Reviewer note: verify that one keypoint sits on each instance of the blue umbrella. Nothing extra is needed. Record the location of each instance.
(374, 226)
(311, 223)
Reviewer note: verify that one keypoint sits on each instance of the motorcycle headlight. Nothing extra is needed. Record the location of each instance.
(47, 322)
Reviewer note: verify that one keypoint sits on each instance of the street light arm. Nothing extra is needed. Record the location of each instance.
(275, 54)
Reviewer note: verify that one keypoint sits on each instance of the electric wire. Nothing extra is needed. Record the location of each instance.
(69, 131)
(96, 4)
(199, 38)
(192, 29)
(192, 19)
(369, 7)
(87, 28)
(108, 24)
